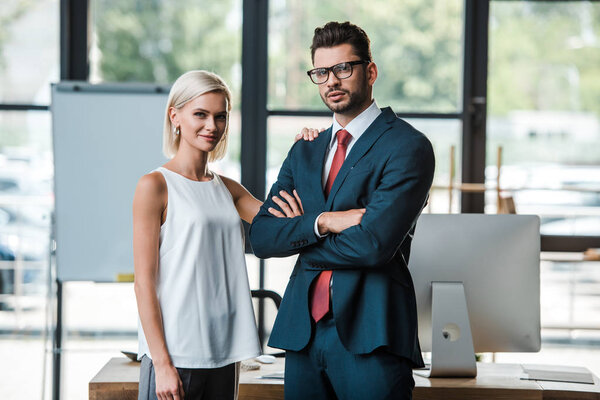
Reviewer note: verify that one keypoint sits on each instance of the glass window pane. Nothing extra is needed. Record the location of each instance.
(157, 41)
(544, 108)
(26, 201)
(281, 132)
(29, 50)
(99, 321)
(443, 134)
(417, 47)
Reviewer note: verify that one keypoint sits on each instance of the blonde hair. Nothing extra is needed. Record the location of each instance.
(185, 89)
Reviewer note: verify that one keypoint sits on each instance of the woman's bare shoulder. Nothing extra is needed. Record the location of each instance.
(151, 188)
(235, 188)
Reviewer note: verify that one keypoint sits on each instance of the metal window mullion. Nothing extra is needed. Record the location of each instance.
(74, 40)
(254, 95)
(255, 16)
(325, 113)
(474, 101)
(23, 107)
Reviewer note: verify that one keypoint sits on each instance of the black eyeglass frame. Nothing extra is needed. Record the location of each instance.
(330, 70)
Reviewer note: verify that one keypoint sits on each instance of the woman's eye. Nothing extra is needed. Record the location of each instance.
(200, 114)
(222, 117)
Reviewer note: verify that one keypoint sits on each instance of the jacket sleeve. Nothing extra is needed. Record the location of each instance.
(391, 213)
(271, 236)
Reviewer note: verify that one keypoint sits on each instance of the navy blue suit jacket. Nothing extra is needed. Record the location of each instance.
(388, 171)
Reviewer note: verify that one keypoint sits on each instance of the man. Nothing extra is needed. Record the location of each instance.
(348, 317)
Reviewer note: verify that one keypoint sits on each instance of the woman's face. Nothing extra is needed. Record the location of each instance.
(202, 121)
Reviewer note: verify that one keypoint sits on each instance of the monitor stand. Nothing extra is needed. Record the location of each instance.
(452, 353)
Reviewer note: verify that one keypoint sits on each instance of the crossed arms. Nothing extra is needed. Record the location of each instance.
(393, 208)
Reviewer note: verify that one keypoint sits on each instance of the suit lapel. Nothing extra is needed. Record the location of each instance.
(316, 165)
(360, 148)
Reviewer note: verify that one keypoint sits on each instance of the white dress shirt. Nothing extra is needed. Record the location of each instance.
(355, 128)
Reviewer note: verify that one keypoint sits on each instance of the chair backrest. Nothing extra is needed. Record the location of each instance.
(261, 295)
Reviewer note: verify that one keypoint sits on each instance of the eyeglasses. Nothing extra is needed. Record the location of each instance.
(341, 71)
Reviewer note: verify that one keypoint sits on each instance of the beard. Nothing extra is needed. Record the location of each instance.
(355, 100)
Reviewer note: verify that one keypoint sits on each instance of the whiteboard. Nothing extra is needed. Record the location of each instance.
(105, 138)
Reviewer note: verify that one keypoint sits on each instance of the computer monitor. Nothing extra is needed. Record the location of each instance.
(477, 284)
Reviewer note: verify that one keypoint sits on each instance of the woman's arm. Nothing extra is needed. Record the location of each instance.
(149, 206)
(247, 205)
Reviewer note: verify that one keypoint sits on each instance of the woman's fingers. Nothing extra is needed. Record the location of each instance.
(308, 134)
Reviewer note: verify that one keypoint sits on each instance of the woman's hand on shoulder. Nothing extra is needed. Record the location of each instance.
(308, 134)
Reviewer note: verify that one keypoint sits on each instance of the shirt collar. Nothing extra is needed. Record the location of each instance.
(358, 125)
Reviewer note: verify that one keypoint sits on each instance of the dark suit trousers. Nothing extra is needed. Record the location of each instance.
(326, 370)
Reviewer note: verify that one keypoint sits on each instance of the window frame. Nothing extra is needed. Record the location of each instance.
(255, 19)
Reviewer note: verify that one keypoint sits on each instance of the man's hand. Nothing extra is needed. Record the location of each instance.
(337, 221)
(293, 207)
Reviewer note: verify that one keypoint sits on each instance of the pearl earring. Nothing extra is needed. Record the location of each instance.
(176, 131)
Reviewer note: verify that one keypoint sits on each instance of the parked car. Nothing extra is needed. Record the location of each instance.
(7, 276)
(24, 235)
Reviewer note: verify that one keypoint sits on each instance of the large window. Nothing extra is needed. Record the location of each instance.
(544, 110)
(29, 55)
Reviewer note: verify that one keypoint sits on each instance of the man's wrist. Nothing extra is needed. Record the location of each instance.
(322, 228)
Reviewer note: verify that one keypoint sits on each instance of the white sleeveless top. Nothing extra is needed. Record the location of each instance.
(202, 285)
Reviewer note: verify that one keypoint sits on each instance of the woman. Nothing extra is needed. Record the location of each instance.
(191, 282)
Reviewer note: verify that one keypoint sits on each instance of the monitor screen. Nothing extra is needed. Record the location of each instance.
(497, 260)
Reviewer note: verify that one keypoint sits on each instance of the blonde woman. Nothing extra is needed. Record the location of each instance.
(191, 284)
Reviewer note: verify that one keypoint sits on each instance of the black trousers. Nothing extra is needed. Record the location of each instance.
(198, 383)
(326, 370)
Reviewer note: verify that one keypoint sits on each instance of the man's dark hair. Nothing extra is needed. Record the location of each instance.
(335, 33)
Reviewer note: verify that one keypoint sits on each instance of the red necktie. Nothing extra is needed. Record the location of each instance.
(320, 295)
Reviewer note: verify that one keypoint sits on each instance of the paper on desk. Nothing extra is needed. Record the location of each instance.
(273, 375)
(538, 372)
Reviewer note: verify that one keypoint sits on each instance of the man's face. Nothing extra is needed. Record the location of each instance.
(347, 96)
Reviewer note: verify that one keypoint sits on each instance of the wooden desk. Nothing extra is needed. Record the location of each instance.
(118, 380)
